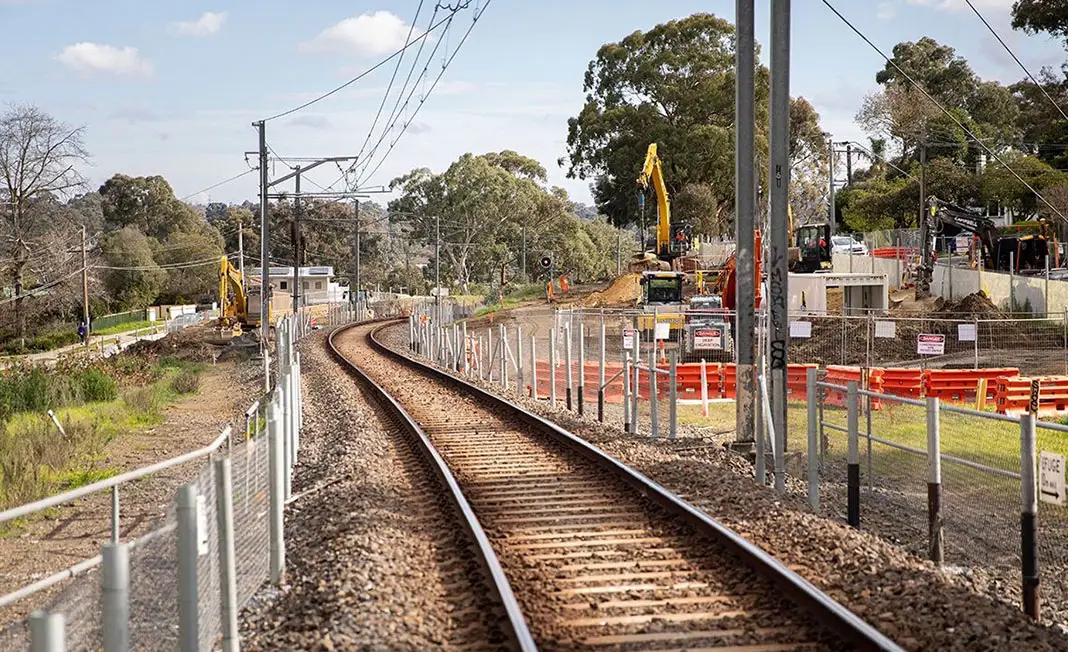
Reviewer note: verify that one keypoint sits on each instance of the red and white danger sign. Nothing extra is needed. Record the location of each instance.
(930, 344)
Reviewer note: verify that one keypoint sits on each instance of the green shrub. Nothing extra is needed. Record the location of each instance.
(186, 382)
(98, 387)
(144, 402)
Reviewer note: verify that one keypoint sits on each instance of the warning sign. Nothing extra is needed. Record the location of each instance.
(708, 338)
(930, 344)
(1051, 478)
(628, 338)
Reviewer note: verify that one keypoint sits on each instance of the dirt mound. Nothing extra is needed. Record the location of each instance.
(624, 291)
(976, 304)
(186, 344)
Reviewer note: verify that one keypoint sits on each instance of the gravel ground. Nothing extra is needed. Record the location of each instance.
(919, 606)
(372, 554)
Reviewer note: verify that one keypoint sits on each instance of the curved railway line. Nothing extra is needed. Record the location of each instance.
(581, 551)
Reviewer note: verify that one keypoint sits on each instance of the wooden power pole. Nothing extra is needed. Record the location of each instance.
(85, 286)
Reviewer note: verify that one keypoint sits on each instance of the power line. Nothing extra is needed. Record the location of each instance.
(1017, 60)
(943, 109)
(396, 69)
(362, 178)
(221, 183)
(362, 74)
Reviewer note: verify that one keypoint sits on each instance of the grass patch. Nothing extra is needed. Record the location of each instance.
(40, 343)
(37, 460)
(186, 382)
(513, 299)
(124, 328)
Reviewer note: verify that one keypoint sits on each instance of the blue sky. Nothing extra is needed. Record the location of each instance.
(172, 88)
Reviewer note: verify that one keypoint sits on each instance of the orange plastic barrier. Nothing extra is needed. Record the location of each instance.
(961, 385)
(729, 380)
(904, 382)
(797, 380)
(1014, 395)
(840, 375)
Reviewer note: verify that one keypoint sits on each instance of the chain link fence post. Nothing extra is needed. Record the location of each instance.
(275, 457)
(188, 582)
(934, 483)
(813, 441)
(1028, 516)
(47, 632)
(224, 511)
(115, 596)
(853, 460)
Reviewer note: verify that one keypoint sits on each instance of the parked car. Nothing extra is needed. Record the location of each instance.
(844, 244)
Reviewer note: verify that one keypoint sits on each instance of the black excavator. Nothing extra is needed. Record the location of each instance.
(1023, 247)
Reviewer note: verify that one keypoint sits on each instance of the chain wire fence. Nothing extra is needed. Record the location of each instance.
(154, 558)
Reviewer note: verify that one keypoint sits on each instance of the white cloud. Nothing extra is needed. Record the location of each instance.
(366, 35)
(885, 11)
(91, 58)
(957, 5)
(210, 23)
(312, 121)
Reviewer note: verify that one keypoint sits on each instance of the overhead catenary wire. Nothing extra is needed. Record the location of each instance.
(396, 69)
(1017, 59)
(944, 110)
(362, 178)
(221, 183)
(363, 74)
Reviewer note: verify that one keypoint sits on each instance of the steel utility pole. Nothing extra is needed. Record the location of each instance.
(357, 280)
(265, 255)
(779, 178)
(831, 217)
(296, 243)
(923, 182)
(85, 286)
(437, 270)
(849, 164)
(744, 218)
(241, 249)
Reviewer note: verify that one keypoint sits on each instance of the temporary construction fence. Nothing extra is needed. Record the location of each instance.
(181, 585)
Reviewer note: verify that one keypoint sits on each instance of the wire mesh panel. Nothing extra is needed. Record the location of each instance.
(208, 562)
(251, 530)
(154, 589)
(80, 606)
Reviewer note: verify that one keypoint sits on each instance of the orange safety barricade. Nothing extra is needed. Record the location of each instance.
(797, 381)
(961, 385)
(689, 379)
(840, 375)
(1014, 395)
(730, 380)
(902, 381)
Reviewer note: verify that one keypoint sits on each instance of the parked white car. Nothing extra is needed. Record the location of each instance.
(844, 244)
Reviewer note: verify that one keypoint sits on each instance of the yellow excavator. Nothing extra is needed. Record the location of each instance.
(661, 288)
(239, 308)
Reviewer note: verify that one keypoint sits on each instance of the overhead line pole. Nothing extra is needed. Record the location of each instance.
(85, 286)
(779, 179)
(745, 207)
(265, 260)
(296, 244)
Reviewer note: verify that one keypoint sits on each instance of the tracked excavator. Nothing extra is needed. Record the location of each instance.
(1023, 247)
(239, 307)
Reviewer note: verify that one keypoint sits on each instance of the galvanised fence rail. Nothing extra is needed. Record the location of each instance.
(181, 585)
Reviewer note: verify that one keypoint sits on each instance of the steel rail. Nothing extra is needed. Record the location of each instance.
(516, 626)
(835, 617)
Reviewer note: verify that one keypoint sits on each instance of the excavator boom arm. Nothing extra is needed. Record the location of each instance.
(652, 170)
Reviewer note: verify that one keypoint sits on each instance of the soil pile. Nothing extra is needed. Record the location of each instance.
(624, 291)
(976, 304)
(187, 344)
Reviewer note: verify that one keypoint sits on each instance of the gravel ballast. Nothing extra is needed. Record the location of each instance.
(919, 606)
(374, 558)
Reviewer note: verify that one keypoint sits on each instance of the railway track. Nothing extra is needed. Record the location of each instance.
(583, 552)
